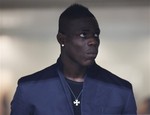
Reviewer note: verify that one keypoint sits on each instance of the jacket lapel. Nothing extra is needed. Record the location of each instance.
(67, 92)
(95, 93)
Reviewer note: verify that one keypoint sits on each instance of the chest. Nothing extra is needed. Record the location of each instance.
(55, 99)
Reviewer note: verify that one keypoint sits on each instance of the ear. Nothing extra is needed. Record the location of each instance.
(61, 38)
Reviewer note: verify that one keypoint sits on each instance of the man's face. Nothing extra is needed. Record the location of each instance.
(82, 41)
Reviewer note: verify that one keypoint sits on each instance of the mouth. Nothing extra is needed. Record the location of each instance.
(91, 55)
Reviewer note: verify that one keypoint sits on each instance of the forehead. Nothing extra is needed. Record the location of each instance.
(89, 24)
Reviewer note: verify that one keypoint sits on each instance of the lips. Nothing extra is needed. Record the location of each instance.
(92, 54)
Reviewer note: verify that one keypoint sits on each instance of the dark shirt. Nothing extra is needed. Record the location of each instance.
(76, 88)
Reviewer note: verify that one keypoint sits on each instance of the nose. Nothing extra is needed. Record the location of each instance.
(93, 41)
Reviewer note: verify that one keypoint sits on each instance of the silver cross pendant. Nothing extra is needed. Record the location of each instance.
(76, 102)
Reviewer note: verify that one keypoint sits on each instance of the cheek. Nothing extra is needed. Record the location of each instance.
(78, 46)
(80, 49)
(77, 51)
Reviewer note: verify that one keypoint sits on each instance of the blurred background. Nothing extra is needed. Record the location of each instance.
(28, 42)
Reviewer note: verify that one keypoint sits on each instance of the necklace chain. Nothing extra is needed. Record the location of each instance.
(76, 101)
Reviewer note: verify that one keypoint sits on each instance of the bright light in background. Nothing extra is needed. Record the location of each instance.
(6, 88)
(6, 74)
(6, 48)
(6, 80)
(6, 56)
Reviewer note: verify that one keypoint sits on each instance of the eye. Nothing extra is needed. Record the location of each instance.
(96, 35)
(83, 35)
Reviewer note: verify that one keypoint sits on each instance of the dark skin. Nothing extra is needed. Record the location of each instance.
(81, 42)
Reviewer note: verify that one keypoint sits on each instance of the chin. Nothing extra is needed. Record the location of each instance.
(89, 63)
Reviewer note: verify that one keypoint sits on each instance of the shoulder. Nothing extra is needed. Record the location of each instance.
(46, 73)
(110, 78)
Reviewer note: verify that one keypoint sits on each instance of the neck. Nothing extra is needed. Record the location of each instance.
(74, 74)
(73, 71)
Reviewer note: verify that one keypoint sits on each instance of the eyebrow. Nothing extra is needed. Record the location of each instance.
(87, 30)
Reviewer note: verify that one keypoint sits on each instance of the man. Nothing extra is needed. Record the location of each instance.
(75, 85)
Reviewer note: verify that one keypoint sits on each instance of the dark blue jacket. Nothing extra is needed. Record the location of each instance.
(46, 93)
